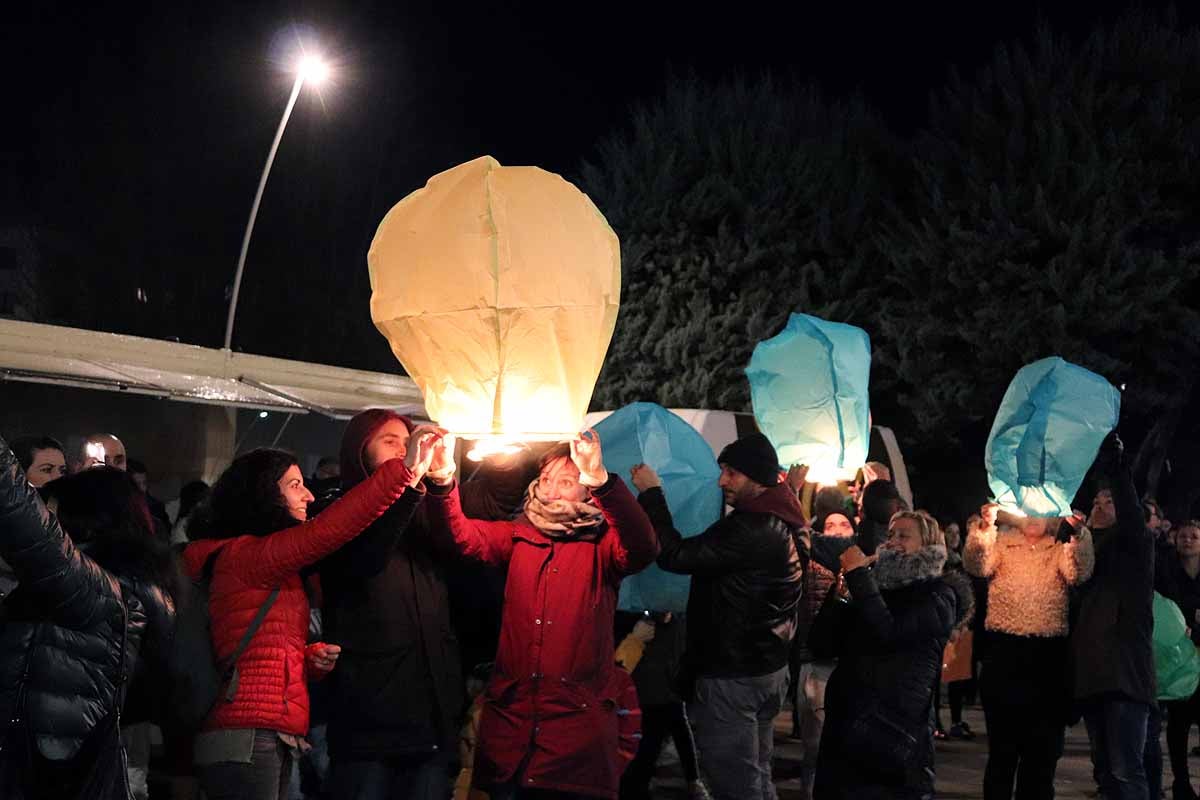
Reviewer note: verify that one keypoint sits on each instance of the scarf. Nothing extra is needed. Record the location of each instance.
(895, 569)
(563, 519)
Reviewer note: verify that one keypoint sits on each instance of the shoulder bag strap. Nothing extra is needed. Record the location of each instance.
(229, 674)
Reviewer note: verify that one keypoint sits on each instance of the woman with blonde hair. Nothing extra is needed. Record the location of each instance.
(1024, 682)
(888, 637)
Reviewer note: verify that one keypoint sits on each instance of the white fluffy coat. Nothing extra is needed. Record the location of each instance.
(1028, 583)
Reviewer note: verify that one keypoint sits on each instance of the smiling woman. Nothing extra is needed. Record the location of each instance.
(256, 538)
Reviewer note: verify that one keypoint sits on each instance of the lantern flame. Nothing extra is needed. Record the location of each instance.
(488, 447)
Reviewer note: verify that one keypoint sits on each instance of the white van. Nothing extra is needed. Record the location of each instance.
(719, 428)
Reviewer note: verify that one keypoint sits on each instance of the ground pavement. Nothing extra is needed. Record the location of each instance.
(959, 766)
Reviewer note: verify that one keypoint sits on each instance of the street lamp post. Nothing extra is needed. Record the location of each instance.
(311, 69)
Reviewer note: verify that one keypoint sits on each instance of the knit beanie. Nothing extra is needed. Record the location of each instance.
(754, 457)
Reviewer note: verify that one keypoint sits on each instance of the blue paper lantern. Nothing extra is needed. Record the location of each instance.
(1047, 432)
(646, 433)
(809, 388)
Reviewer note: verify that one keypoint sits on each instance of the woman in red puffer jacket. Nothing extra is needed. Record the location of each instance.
(254, 536)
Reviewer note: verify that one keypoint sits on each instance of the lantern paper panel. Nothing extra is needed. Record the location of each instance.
(498, 289)
(1048, 429)
(1176, 660)
(809, 388)
(646, 433)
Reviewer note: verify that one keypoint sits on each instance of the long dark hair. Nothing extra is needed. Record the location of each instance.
(246, 498)
(107, 517)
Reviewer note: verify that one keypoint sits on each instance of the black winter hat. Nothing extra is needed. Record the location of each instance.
(754, 457)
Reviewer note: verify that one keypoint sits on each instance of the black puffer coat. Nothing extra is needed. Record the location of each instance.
(62, 625)
(889, 647)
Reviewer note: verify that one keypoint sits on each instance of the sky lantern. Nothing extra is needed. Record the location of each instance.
(1048, 429)
(809, 388)
(647, 433)
(497, 289)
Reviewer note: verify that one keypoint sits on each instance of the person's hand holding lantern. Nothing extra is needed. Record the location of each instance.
(586, 453)
(441, 466)
(644, 478)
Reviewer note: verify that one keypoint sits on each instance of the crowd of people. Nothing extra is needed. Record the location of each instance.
(386, 628)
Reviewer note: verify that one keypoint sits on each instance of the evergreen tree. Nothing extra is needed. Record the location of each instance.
(736, 204)
(1054, 213)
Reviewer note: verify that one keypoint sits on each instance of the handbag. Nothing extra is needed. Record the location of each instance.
(956, 658)
(878, 737)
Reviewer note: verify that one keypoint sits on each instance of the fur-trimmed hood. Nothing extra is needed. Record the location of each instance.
(895, 570)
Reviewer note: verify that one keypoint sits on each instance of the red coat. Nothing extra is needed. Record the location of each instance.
(554, 696)
(272, 672)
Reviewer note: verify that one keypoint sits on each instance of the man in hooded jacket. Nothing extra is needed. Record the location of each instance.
(748, 573)
(397, 693)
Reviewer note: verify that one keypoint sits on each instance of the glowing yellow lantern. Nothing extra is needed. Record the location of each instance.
(497, 289)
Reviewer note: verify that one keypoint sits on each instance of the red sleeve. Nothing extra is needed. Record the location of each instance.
(267, 560)
(631, 544)
(489, 542)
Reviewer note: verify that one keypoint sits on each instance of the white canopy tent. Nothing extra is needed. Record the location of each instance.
(51, 354)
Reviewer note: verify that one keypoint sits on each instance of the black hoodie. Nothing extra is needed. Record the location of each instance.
(398, 687)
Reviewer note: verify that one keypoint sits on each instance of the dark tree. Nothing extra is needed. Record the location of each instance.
(1055, 214)
(736, 204)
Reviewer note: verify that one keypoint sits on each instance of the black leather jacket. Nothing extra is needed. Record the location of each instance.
(62, 625)
(747, 577)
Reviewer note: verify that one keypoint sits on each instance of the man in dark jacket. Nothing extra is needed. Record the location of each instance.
(747, 579)
(397, 693)
(1111, 642)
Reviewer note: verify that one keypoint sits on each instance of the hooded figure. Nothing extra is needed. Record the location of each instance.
(888, 639)
(747, 577)
(397, 693)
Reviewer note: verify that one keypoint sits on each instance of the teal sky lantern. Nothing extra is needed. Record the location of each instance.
(646, 433)
(809, 388)
(1047, 432)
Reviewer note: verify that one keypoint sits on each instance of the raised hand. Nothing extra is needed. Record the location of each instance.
(421, 445)
(586, 453)
(987, 514)
(442, 467)
(644, 478)
(797, 475)
(853, 557)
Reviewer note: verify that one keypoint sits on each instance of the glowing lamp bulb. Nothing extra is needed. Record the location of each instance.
(314, 70)
(95, 451)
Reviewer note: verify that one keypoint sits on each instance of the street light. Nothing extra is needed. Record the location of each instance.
(311, 69)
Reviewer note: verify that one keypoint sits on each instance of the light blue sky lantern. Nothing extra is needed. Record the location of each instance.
(810, 390)
(1047, 432)
(646, 433)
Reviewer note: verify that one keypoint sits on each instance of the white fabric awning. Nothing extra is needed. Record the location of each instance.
(89, 359)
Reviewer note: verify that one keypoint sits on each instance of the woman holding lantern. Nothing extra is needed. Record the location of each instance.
(551, 720)
(1024, 682)
(888, 639)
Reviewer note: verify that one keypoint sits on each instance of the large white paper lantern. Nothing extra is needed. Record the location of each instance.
(497, 289)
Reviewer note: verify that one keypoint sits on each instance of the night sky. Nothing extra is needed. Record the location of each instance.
(133, 138)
